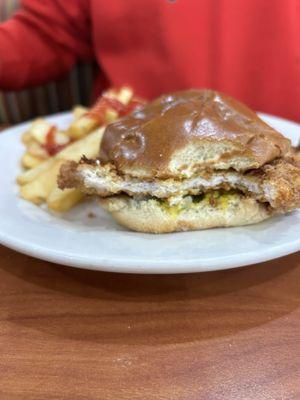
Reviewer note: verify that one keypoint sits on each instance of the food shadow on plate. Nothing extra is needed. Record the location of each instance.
(87, 216)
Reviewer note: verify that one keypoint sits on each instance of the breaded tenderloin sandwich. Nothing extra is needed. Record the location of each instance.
(190, 160)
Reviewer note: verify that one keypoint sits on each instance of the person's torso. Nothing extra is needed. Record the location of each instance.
(249, 49)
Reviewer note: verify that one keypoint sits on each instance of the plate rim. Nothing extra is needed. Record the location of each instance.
(147, 267)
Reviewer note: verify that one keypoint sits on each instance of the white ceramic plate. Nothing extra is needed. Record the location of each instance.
(99, 243)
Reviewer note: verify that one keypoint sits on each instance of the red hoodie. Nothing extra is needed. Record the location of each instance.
(249, 49)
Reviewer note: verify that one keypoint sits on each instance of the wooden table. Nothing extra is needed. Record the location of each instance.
(73, 334)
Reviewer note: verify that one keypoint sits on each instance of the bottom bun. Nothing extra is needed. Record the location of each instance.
(155, 216)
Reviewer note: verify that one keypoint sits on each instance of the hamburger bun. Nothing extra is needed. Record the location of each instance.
(154, 216)
(180, 134)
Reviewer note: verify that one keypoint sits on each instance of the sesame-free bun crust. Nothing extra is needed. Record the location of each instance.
(150, 216)
(181, 133)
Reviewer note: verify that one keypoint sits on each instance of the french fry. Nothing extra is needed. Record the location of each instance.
(79, 111)
(31, 174)
(26, 138)
(36, 150)
(82, 127)
(111, 116)
(42, 140)
(88, 146)
(39, 184)
(124, 95)
(63, 200)
(39, 130)
(36, 132)
(40, 188)
(85, 124)
(30, 161)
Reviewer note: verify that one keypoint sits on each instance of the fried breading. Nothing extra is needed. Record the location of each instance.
(277, 183)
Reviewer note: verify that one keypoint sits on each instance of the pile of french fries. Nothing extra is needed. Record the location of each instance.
(38, 182)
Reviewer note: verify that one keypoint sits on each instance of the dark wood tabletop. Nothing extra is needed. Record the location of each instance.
(73, 334)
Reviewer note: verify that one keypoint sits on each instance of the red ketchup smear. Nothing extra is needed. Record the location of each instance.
(51, 146)
(98, 111)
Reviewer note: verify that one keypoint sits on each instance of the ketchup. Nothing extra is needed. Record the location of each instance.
(98, 111)
(51, 146)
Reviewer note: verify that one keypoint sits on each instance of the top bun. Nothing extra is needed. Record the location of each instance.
(179, 134)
